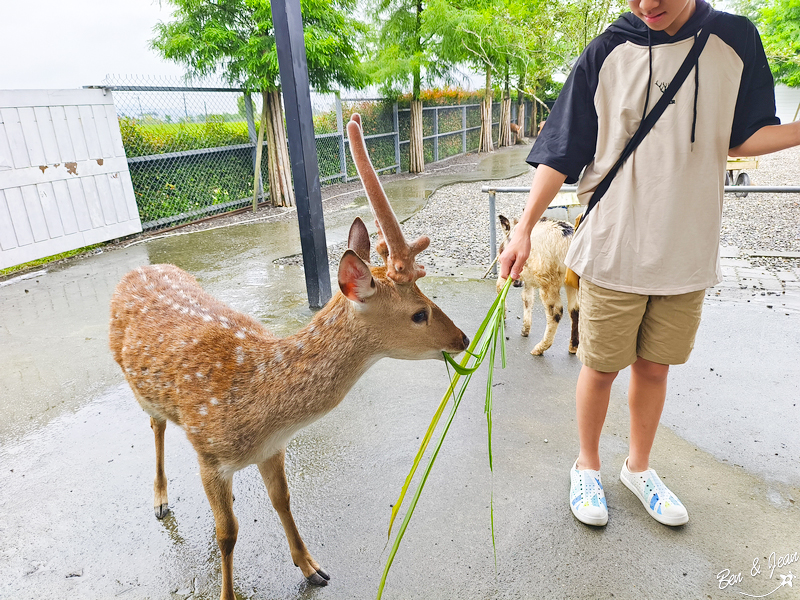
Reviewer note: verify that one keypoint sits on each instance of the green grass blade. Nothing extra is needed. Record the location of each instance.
(486, 339)
(461, 369)
(413, 503)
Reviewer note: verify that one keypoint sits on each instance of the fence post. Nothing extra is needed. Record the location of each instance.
(251, 131)
(340, 131)
(464, 129)
(396, 125)
(492, 233)
(435, 133)
(293, 69)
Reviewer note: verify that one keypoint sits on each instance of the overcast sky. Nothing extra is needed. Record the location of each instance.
(50, 44)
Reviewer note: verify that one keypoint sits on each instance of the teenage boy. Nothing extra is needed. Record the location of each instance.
(650, 247)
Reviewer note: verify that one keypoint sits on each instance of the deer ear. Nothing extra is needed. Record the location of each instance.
(504, 222)
(358, 239)
(355, 278)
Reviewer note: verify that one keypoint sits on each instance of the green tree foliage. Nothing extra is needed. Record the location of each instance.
(778, 21)
(236, 39)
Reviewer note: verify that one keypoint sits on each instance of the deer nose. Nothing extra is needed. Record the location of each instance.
(465, 340)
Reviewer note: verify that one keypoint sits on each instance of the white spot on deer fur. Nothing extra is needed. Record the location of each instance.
(187, 377)
(278, 357)
(206, 317)
(240, 334)
(193, 429)
(214, 401)
(199, 375)
(203, 411)
(331, 320)
(239, 355)
(223, 318)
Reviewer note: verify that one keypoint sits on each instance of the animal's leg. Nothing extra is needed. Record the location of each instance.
(274, 475)
(219, 491)
(160, 502)
(528, 298)
(574, 312)
(551, 298)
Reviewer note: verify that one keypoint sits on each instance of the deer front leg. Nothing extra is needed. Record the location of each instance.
(528, 298)
(274, 474)
(551, 298)
(160, 502)
(219, 491)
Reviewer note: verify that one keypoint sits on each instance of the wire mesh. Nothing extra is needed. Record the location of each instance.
(191, 145)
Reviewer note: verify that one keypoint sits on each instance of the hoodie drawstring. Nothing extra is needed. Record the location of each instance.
(696, 90)
(650, 74)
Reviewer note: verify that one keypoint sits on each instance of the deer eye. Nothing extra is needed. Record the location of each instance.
(420, 316)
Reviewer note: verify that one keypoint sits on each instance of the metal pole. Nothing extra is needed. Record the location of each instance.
(288, 25)
(435, 134)
(463, 129)
(396, 125)
(492, 232)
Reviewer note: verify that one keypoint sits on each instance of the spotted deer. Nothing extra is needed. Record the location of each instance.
(545, 269)
(239, 392)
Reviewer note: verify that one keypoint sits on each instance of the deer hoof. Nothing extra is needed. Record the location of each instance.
(319, 578)
(573, 349)
(538, 350)
(161, 511)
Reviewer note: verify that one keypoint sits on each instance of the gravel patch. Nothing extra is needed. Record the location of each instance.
(455, 217)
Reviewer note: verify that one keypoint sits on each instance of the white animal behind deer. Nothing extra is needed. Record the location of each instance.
(545, 269)
(239, 392)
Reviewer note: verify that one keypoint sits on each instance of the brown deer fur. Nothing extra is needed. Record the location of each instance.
(241, 393)
(545, 270)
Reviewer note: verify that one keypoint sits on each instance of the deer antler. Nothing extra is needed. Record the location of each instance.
(392, 247)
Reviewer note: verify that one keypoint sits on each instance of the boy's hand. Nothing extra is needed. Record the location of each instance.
(513, 258)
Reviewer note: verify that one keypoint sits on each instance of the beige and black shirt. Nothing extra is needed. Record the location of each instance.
(656, 230)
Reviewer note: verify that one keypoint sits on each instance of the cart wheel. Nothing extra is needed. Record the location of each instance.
(728, 177)
(743, 179)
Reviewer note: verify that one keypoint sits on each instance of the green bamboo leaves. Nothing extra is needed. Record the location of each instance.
(483, 344)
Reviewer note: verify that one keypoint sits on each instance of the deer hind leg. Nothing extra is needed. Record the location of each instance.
(219, 491)
(551, 298)
(160, 502)
(528, 299)
(274, 474)
(574, 311)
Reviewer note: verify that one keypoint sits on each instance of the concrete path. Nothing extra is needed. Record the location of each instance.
(76, 455)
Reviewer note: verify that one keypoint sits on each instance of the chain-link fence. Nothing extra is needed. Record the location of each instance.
(191, 148)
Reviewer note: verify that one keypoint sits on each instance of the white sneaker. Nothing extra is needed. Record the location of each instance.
(660, 503)
(586, 497)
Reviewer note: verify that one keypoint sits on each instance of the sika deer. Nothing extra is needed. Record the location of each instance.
(545, 269)
(241, 393)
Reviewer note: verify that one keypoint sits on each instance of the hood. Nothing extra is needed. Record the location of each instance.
(633, 29)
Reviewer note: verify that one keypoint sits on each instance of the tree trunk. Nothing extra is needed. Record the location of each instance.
(284, 164)
(486, 144)
(280, 178)
(521, 120)
(417, 151)
(504, 137)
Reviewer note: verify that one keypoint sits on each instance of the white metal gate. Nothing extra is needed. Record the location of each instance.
(64, 180)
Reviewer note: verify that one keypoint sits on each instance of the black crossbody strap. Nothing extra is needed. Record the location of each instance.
(647, 123)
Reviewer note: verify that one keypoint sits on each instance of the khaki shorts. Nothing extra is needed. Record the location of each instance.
(617, 327)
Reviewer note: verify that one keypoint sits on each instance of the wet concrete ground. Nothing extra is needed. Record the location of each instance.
(76, 452)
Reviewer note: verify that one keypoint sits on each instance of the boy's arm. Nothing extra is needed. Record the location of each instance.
(771, 138)
(546, 183)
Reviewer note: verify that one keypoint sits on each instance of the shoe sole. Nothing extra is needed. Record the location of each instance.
(670, 521)
(594, 521)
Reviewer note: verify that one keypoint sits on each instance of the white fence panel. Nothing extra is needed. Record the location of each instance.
(64, 179)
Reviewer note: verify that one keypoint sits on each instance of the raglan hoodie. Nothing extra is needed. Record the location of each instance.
(656, 230)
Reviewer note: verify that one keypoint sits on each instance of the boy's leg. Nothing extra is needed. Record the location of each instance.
(647, 391)
(591, 401)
